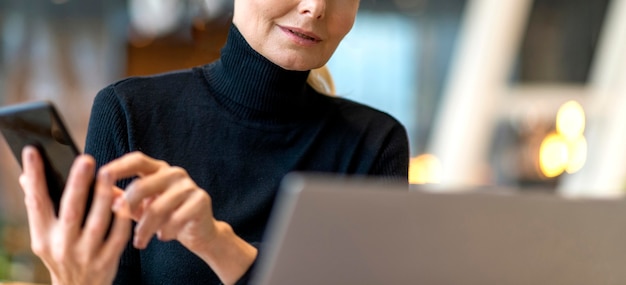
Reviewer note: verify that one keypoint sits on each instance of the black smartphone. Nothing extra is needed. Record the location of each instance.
(40, 125)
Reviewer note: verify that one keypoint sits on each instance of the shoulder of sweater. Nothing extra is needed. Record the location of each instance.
(158, 84)
(363, 114)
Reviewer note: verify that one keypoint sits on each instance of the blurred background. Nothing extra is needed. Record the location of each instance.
(522, 94)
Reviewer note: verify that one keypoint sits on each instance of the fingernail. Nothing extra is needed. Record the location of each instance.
(121, 207)
(138, 243)
(104, 176)
(84, 167)
(117, 204)
(30, 154)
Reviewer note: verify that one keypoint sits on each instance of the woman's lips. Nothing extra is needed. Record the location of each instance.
(300, 36)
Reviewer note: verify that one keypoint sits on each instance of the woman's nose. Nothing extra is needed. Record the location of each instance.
(313, 8)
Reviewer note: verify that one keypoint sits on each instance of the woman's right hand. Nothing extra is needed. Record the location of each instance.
(73, 254)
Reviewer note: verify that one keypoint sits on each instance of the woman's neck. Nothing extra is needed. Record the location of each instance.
(248, 79)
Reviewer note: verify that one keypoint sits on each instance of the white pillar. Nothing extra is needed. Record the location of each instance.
(604, 174)
(489, 39)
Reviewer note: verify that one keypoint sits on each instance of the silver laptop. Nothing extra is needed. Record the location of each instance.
(340, 231)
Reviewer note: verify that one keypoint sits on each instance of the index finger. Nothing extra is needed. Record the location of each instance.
(33, 182)
(129, 165)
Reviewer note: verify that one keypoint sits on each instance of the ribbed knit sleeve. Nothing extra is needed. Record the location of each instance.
(392, 162)
(107, 133)
(108, 139)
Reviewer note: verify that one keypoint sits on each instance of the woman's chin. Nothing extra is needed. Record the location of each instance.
(300, 66)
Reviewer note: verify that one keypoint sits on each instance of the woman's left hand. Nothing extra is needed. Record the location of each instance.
(72, 252)
(163, 200)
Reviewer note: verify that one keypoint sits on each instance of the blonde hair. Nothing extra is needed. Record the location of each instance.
(321, 80)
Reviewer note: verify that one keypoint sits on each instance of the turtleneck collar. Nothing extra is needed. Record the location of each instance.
(251, 85)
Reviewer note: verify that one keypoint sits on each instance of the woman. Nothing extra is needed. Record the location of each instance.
(207, 148)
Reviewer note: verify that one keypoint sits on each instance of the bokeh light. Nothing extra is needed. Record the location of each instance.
(570, 120)
(553, 155)
(577, 154)
(424, 169)
(152, 18)
(566, 149)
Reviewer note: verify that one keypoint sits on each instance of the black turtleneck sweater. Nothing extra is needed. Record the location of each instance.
(237, 125)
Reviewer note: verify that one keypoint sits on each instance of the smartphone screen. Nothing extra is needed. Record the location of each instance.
(39, 124)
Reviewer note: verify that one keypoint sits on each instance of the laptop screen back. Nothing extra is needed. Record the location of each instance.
(338, 231)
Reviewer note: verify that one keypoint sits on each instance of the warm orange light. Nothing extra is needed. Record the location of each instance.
(577, 154)
(570, 120)
(553, 155)
(424, 169)
(565, 150)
